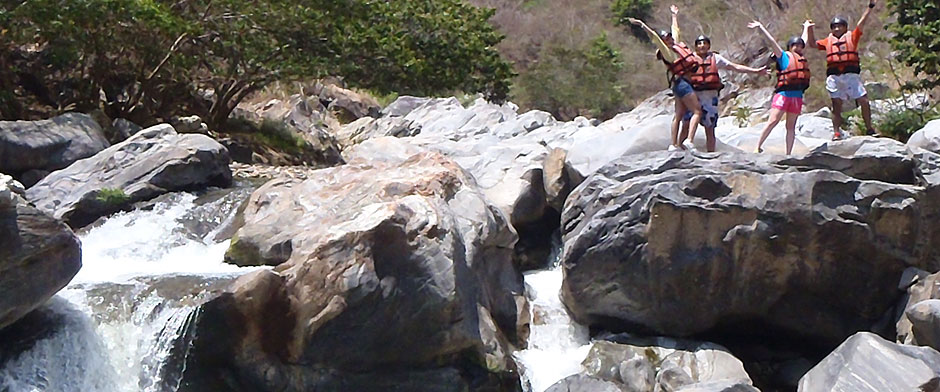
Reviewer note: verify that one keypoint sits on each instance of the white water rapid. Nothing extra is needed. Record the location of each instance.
(557, 344)
(113, 328)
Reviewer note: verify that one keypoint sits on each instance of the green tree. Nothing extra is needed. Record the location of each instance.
(570, 82)
(915, 39)
(206, 56)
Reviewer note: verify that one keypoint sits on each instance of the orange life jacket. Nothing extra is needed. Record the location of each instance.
(841, 55)
(706, 77)
(686, 63)
(795, 76)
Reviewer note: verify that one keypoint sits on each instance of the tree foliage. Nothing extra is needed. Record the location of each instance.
(916, 39)
(155, 58)
(570, 82)
(623, 9)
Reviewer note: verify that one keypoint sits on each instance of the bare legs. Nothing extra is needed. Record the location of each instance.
(688, 102)
(791, 130)
(836, 116)
(775, 116)
(710, 140)
(862, 103)
(866, 113)
(680, 112)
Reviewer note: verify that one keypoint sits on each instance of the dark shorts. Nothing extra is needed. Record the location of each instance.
(681, 87)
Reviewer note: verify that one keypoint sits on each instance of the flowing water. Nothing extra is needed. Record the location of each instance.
(114, 327)
(117, 326)
(557, 344)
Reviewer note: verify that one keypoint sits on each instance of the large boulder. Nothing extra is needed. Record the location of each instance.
(683, 244)
(297, 116)
(867, 363)
(918, 320)
(664, 364)
(927, 137)
(154, 161)
(391, 274)
(38, 254)
(48, 145)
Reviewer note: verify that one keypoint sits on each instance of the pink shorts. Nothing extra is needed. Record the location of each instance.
(787, 104)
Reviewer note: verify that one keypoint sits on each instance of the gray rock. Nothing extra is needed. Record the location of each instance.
(719, 386)
(920, 287)
(48, 145)
(583, 383)
(925, 323)
(410, 245)
(38, 255)
(403, 105)
(865, 158)
(124, 128)
(663, 364)
(155, 161)
(681, 244)
(189, 124)
(927, 137)
(868, 363)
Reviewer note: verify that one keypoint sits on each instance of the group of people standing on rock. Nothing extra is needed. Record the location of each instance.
(695, 82)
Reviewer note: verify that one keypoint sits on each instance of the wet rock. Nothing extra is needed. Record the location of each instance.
(153, 162)
(868, 363)
(665, 364)
(583, 383)
(48, 145)
(412, 246)
(39, 255)
(684, 244)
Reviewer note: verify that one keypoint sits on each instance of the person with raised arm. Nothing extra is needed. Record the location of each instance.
(843, 67)
(792, 79)
(707, 85)
(680, 62)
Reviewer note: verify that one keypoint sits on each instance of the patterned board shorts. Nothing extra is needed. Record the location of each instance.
(709, 101)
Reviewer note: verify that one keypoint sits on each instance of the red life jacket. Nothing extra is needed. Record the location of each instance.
(841, 55)
(706, 77)
(795, 76)
(686, 62)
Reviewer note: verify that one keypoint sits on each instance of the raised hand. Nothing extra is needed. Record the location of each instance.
(809, 23)
(755, 24)
(635, 21)
(872, 3)
(674, 9)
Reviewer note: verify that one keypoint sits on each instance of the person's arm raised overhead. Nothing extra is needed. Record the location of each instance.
(864, 18)
(778, 51)
(675, 23)
(809, 35)
(666, 51)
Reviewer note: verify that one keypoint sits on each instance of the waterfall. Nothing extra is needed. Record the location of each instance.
(119, 321)
(557, 344)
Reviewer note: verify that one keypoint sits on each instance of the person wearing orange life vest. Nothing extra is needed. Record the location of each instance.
(792, 79)
(842, 69)
(707, 85)
(680, 62)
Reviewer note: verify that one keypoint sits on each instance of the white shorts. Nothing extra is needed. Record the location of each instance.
(708, 99)
(846, 87)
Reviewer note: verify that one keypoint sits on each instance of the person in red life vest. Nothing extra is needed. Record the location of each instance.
(842, 69)
(707, 85)
(680, 62)
(792, 79)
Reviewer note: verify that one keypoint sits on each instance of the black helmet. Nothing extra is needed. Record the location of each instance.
(664, 34)
(703, 38)
(794, 40)
(838, 21)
